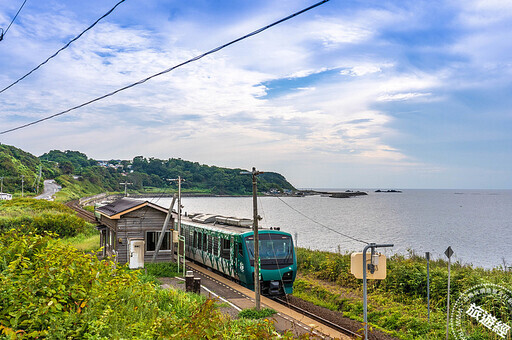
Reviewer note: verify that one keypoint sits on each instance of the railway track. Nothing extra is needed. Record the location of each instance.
(318, 318)
(86, 215)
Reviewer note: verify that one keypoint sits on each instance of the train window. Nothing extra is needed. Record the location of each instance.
(199, 241)
(194, 244)
(204, 242)
(225, 248)
(240, 249)
(210, 244)
(215, 246)
(271, 246)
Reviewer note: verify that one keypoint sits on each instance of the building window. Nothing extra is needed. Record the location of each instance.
(152, 240)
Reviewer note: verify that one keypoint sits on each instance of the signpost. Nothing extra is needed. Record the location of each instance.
(427, 255)
(374, 269)
(448, 252)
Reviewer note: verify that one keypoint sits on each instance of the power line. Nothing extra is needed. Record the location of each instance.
(64, 47)
(2, 34)
(167, 70)
(323, 225)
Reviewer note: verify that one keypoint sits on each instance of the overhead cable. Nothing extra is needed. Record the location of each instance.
(164, 71)
(63, 48)
(2, 34)
(323, 225)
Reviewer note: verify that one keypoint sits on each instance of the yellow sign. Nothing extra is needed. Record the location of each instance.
(378, 261)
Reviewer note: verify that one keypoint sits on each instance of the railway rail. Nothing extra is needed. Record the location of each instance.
(318, 318)
(86, 215)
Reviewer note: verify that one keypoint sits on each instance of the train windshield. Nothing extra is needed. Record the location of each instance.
(272, 247)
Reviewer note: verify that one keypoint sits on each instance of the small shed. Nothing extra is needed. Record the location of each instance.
(130, 230)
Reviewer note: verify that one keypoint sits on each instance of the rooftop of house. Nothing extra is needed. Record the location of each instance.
(125, 205)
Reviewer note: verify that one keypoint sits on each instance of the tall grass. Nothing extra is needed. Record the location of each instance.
(397, 304)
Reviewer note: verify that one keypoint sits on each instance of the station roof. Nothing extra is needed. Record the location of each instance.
(116, 209)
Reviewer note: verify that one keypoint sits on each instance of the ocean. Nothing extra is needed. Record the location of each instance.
(477, 224)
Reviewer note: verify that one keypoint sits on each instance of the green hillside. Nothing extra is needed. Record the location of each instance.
(15, 163)
(80, 175)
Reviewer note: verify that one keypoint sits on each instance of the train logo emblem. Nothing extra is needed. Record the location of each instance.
(482, 309)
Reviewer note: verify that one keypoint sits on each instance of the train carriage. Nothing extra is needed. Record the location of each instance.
(227, 246)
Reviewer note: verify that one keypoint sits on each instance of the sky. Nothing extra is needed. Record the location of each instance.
(351, 94)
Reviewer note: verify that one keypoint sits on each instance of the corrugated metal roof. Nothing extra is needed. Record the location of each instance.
(125, 205)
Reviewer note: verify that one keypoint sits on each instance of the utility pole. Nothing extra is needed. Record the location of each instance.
(39, 177)
(256, 217)
(22, 181)
(125, 187)
(2, 187)
(179, 180)
(448, 252)
(427, 255)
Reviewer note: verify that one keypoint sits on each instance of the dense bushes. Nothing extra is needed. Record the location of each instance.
(406, 276)
(26, 214)
(398, 303)
(54, 291)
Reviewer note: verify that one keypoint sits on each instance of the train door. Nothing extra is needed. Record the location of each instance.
(238, 260)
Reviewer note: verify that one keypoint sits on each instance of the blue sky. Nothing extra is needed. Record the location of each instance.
(353, 94)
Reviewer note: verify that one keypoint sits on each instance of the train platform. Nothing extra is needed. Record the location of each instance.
(234, 298)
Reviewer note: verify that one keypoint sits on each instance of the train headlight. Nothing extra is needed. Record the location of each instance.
(287, 276)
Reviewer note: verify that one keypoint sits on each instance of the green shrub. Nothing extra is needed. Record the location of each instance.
(252, 313)
(30, 215)
(48, 290)
(162, 269)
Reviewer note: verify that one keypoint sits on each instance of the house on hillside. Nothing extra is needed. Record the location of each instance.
(129, 229)
(5, 196)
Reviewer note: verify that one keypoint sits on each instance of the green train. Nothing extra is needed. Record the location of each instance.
(226, 245)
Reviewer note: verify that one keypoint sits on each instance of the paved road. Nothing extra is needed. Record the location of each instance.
(50, 188)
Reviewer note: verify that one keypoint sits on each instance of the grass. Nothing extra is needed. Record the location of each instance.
(252, 313)
(396, 305)
(83, 242)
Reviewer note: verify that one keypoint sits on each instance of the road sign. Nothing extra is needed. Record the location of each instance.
(448, 252)
(379, 262)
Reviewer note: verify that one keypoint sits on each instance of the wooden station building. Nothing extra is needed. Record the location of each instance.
(129, 229)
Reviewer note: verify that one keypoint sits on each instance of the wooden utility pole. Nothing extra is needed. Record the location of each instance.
(2, 187)
(164, 230)
(256, 217)
(22, 181)
(125, 187)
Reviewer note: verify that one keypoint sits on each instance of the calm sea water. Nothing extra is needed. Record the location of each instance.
(477, 224)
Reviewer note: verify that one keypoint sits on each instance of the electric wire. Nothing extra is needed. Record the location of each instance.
(165, 71)
(3, 33)
(323, 225)
(62, 48)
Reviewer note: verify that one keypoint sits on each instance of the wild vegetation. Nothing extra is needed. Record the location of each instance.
(54, 291)
(397, 304)
(30, 215)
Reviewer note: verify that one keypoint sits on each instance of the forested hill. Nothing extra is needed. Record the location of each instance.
(142, 172)
(16, 164)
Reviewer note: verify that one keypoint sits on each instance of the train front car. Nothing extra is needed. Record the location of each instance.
(278, 264)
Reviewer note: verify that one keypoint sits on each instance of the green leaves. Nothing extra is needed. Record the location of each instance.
(55, 291)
